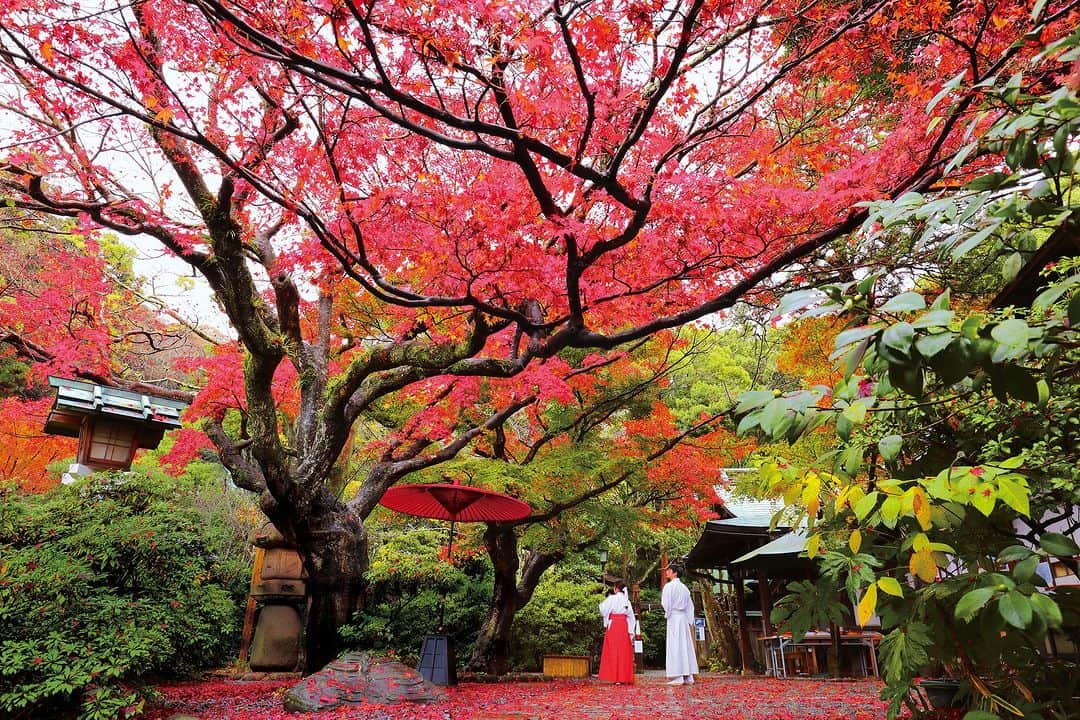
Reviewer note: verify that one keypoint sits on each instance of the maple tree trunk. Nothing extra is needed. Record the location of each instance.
(491, 653)
(333, 544)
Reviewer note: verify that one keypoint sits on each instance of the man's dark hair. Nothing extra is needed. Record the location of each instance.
(676, 568)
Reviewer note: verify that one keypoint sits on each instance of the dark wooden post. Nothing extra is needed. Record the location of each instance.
(744, 632)
(766, 602)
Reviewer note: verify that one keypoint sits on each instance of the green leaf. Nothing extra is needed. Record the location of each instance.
(891, 586)
(799, 300)
(908, 378)
(773, 415)
(942, 301)
(1045, 606)
(974, 241)
(1059, 545)
(985, 498)
(904, 302)
(930, 345)
(890, 511)
(948, 87)
(1074, 311)
(866, 505)
(934, 318)
(1012, 332)
(748, 422)
(972, 602)
(856, 413)
(904, 649)
(852, 459)
(752, 400)
(899, 337)
(954, 362)
(1015, 609)
(854, 335)
(1024, 570)
(1014, 494)
(1011, 267)
(1050, 296)
(889, 446)
(980, 715)
(990, 181)
(1044, 393)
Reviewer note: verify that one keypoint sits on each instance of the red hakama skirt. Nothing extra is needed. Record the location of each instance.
(617, 657)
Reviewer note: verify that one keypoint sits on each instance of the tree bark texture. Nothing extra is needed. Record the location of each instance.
(491, 653)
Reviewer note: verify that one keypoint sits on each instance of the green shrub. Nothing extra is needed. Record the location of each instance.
(562, 618)
(407, 581)
(102, 582)
(653, 629)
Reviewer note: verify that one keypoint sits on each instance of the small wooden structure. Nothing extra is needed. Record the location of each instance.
(111, 424)
(743, 526)
(566, 665)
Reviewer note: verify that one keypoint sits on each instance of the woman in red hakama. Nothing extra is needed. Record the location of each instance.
(617, 657)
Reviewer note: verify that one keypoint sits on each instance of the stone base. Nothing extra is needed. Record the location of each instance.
(276, 645)
(357, 678)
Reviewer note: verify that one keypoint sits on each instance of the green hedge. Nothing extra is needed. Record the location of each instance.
(105, 581)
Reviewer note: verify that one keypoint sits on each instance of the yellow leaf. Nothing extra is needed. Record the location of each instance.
(849, 496)
(841, 498)
(855, 541)
(920, 505)
(812, 543)
(891, 586)
(811, 488)
(791, 494)
(812, 510)
(867, 605)
(922, 565)
(920, 542)
(907, 501)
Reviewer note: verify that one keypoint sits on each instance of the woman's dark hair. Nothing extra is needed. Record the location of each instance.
(618, 585)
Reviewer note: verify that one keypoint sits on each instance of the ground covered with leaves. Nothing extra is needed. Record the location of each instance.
(716, 698)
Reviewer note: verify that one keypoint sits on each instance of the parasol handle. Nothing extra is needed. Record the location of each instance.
(450, 559)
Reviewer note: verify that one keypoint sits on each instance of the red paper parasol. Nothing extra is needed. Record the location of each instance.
(456, 503)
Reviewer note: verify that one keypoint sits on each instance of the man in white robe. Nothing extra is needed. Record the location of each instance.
(679, 611)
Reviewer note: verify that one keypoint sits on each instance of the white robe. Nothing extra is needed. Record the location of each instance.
(679, 611)
(618, 604)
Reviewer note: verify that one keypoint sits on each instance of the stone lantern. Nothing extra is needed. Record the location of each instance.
(111, 423)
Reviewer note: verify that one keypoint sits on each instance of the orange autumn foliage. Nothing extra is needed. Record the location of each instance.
(804, 353)
(25, 452)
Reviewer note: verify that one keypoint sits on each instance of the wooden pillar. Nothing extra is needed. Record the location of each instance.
(249, 611)
(744, 632)
(663, 567)
(766, 602)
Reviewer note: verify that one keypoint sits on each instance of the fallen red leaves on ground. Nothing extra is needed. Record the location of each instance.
(715, 698)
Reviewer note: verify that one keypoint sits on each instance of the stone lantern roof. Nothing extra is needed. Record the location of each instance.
(111, 423)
